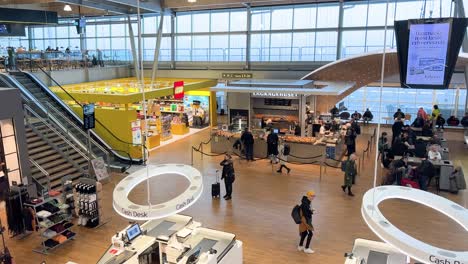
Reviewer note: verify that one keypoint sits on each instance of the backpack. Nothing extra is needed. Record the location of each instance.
(296, 214)
(286, 150)
(343, 165)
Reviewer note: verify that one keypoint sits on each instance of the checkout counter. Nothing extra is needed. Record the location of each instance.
(175, 239)
(330, 145)
(373, 252)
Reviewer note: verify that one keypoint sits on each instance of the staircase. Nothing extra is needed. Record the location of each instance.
(52, 153)
(70, 121)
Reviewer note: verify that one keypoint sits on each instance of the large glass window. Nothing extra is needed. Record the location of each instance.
(377, 12)
(325, 49)
(237, 47)
(238, 21)
(328, 15)
(201, 22)
(353, 43)
(260, 47)
(200, 48)
(305, 17)
(219, 21)
(183, 48)
(184, 23)
(261, 19)
(219, 50)
(281, 18)
(355, 14)
(303, 46)
(280, 47)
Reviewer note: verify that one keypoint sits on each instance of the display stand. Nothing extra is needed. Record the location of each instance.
(53, 227)
(88, 203)
(67, 194)
(20, 192)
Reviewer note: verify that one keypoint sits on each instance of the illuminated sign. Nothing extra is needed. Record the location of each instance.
(179, 90)
(237, 75)
(275, 94)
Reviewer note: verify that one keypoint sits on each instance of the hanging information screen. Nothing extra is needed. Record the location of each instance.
(88, 116)
(427, 53)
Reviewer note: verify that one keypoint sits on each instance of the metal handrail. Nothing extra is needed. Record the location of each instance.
(26, 107)
(50, 106)
(33, 162)
(97, 121)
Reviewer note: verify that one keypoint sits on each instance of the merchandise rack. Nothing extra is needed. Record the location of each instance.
(44, 249)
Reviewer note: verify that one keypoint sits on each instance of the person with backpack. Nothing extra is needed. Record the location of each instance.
(426, 172)
(305, 226)
(228, 175)
(284, 150)
(349, 167)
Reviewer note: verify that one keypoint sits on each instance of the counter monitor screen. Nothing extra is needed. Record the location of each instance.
(275, 130)
(133, 232)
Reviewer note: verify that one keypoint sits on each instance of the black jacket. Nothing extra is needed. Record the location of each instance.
(228, 171)
(247, 138)
(368, 114)
(396, 128)
(306, 211)
(418, 122)
(272, 139)
(464, 121)
(399, 114)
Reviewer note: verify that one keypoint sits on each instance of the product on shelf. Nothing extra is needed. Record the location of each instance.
(221, 133)
(296, 139)
(88, 202)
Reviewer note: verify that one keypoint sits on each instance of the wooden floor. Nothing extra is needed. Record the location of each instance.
(259, 213)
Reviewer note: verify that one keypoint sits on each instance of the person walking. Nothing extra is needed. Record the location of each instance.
(228, 175)
(100, 58)
(350, 172)
(283, 154)
(248, 140)
(397, 127)
(272, 146)
(350, 139)
(305, 227)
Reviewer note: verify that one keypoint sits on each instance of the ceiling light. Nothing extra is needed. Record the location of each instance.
(192, 1)
(67, 8)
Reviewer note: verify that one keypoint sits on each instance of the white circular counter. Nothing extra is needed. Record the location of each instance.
(412, 247)
(126, 208)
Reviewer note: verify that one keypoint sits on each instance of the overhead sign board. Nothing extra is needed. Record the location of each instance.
(236, 75)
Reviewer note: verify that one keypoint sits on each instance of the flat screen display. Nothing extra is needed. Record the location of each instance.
(3, 29)
(133, 232)
(428, 50)
(427, 54)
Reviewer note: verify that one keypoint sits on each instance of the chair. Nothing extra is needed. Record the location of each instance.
(344, 115)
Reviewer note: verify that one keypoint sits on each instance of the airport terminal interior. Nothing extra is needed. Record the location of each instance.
(233, 131)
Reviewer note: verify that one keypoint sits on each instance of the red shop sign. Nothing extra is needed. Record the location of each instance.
(179, 90)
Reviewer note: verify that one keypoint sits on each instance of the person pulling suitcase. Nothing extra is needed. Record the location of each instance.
(228, 175)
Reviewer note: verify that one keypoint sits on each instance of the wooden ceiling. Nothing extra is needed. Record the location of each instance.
(176, 5)
(184, 5)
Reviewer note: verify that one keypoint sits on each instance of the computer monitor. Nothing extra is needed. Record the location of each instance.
(275, 130)
(133, 232)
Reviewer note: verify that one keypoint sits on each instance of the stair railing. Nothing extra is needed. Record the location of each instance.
(53, 111)
(43, 171)
(105, 129)
(30, 113)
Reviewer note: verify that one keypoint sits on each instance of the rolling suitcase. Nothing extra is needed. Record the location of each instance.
(216, 188)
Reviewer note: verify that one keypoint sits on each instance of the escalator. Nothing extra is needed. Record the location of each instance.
(47, 101)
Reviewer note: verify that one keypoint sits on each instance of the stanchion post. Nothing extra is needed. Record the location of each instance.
(201, 146)
(321, 164)
(192, 156)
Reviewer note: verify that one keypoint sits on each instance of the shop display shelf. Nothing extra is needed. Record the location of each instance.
(58, 245)
(172, 112)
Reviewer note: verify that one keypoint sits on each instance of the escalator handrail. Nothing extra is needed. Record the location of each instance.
(63, 89)
(58, 100)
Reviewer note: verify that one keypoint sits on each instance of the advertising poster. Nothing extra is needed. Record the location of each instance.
(136, 132)
(191, 102)
(100, 169)
(427, 54)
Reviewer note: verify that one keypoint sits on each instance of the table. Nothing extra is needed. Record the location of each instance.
(387, 119)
